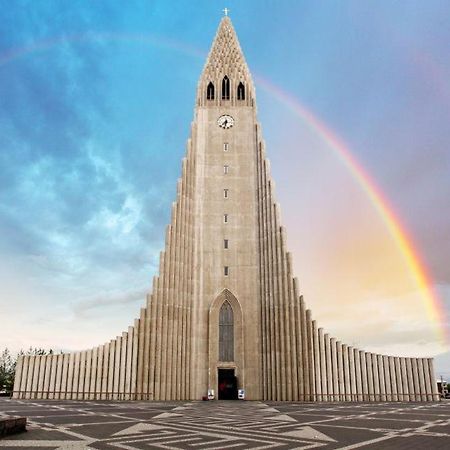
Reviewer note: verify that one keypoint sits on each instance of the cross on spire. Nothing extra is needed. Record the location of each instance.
(226, 11)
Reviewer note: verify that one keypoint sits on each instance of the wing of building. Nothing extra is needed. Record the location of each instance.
(225, 312)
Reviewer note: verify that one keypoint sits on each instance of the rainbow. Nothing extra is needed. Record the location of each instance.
(434, 305)
(423, 280)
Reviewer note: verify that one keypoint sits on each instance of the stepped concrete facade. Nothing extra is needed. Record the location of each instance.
(225, 311)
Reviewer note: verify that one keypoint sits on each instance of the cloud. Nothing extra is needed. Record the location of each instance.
(88, 306)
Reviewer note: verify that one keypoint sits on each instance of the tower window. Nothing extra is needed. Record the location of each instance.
(226, 333)
(241, 91)
(225, 147)
(210, 91)
(225, 88)
(225, 243)
(226, 271)
(225, 169)
(225, 218)
(225, 193)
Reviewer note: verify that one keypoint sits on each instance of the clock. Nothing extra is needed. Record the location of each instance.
(225, 121)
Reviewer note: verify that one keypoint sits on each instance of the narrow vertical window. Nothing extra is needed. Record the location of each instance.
(225, 169)
(225, 193)
(225, 147)
(226, 333)
(225, 218)
(210, 91)
(225, 88)
(225, 243)
(226, 271)
(241, 92)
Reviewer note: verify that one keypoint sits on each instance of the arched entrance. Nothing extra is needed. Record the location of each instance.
(226, 352)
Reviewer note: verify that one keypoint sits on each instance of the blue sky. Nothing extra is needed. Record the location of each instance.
(96, 101)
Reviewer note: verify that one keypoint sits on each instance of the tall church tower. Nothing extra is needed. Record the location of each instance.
(225, 141)
(225, 311)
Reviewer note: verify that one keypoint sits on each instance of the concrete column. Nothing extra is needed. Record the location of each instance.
(29, 364)
(20, 382)
(93, 375)
(64, 377)
(35, 381)
(135, 358)
(111, 366)
(334, 369)
(415, 372)
(306, 370)
(33, 372)
(317, 372)
(172, 329)
(381, 376)
(346, 366)
(340, 371)
(58, 376)
(41, 376)
(117, 359)
(167, 317)
(358, 374)
(18, 378)
(105, 371)
(82, 373)
(100, 377)
(404, 381)
(329, 364)
(393, 374)
(398, 378)
(423, 396)
(87, 375)
(364, 376)
(387, 378)
(128, 365)
(376, 378)
(159, 336)
(300, 366)
(141, 356)
(351, 363)
(153, 335)
(323, 366)
(370, 377)
(70, 370)
(411, 386)
(310, 356)
(76, 375)
(50, 366)
(293, 327)
(428, 381)
(123, 360)
(434, 389)
(284, 331)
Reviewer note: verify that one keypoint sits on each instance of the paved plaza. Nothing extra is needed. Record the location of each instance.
(227, 424)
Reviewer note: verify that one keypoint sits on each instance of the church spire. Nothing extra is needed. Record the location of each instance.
(225, 71)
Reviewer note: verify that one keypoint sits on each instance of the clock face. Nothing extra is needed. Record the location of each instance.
(225, 121)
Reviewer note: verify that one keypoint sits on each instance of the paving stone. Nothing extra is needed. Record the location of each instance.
(228, 424)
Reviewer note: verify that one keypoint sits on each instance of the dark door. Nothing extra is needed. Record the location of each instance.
(227, 385)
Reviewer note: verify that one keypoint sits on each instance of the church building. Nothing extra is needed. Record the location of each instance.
(225, 312)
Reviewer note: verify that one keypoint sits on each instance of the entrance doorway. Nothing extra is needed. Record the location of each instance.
(227, 385)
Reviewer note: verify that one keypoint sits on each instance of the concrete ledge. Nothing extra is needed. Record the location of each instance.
(12, 425)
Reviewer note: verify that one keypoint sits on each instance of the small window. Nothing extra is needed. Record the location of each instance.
(225, 88)
(210, 91)
(226, 271)
(225, 243)
(225, 147)
(225, 193)
(241, 92)
(225, 169)
(225, 218)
